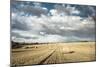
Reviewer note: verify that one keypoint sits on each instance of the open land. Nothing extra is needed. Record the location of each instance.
(53, 53)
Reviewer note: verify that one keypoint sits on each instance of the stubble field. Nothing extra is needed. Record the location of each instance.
(53, 53)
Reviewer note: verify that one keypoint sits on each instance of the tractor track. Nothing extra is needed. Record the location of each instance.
(42, 61)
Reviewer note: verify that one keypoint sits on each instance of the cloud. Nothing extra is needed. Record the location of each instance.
(66, 26)
(19, 22)
(36, 10)
(29, 8)
(60, 26)
(64, 10)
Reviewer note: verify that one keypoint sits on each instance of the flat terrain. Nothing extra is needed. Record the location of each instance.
(53, 53)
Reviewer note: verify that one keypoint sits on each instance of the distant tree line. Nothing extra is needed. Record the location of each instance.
(16, 44)
(21, 44)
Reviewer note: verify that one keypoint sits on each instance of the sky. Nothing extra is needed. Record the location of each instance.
(52, 22)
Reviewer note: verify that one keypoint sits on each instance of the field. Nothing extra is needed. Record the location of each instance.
(53, 53)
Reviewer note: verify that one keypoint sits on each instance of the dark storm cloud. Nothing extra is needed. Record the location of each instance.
(19, 23)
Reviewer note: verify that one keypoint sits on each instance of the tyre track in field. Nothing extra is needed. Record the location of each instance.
(41, 62)
(56, 57)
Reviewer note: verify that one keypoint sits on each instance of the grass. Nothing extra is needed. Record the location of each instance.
(53, 53)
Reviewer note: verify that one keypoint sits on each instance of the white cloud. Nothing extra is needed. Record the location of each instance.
(34, 9)
(57, 27)
(52, 27)
(37, 4)
(64, 10)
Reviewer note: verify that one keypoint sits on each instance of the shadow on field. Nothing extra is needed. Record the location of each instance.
(70, 52)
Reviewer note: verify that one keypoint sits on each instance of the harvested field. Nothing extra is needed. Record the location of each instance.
(53, 53)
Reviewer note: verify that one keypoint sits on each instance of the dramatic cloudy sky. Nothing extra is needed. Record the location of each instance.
(51, 22)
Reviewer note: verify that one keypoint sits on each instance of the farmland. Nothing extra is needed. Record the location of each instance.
(53, 53)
